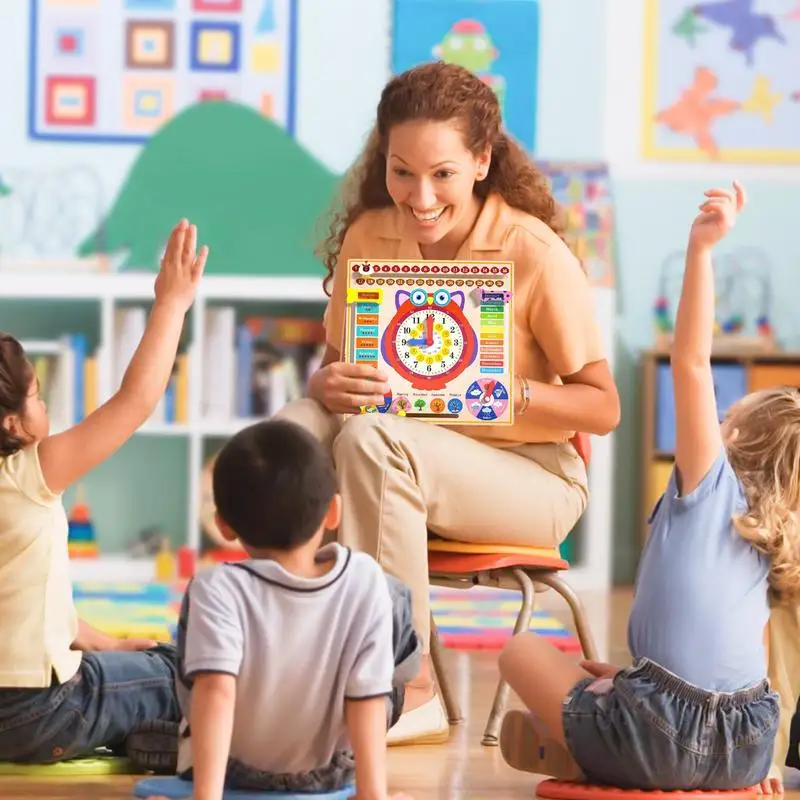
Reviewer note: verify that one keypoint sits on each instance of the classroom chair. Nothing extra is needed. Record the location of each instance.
(463, 565)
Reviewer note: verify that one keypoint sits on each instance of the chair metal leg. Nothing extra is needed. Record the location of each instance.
(442, 677)
(556, 583)
(491, 735)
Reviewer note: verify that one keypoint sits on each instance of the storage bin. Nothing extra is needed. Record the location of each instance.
(730, 384)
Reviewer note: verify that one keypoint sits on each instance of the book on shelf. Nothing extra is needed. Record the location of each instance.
(67, 375)
(129, 325)
(254, 367)
(251, 368)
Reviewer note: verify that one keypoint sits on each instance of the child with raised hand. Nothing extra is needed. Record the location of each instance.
(695, 711)
(67, 689)
(289, 661)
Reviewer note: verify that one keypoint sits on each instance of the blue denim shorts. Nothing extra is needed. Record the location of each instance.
(648, 729)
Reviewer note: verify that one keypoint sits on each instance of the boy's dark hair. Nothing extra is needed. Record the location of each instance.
(273, 484)
(15, 385)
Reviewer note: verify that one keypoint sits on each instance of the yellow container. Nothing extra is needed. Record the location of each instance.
(657, 481)
(768, 376)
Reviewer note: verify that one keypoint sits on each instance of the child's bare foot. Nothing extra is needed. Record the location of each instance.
(770, 786)
(525, 748)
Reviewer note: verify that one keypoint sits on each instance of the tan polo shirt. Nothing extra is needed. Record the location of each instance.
(38, 621)
(555, 332)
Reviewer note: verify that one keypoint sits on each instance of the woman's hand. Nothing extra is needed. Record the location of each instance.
(344, 388)
(181, 267)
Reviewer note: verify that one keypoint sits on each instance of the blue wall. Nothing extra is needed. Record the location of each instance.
(589, 95)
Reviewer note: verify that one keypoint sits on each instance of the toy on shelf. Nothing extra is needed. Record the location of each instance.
(165, 563)
(253, 367)
(744, 300)
(187, 562)
(81, 540)
(147, 544)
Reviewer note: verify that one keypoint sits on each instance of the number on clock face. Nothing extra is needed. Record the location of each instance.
(436, 358)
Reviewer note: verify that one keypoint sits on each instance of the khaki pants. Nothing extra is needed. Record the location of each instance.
(784, 673)
(400, 478)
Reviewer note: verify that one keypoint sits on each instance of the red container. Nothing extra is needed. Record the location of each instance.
(187, 562)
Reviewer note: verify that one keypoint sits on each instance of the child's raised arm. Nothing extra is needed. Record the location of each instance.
(698, 437)
(67, 456)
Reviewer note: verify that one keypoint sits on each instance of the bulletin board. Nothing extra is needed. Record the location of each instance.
(583, 192)
(721, 81)
(498, 41)
(117, 71)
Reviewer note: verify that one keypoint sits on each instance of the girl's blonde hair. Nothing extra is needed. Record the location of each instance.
(764, 451)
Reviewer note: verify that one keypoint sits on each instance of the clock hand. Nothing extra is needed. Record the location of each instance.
(429, 330)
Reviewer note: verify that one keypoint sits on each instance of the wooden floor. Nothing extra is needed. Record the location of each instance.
(462, 768)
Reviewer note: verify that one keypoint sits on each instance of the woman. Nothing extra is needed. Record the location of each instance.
(440, 180)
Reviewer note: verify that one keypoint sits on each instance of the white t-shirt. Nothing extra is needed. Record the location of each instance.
(38, 621)
(299, 647)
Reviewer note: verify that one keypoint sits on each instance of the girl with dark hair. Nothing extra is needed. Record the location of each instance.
(67, 689)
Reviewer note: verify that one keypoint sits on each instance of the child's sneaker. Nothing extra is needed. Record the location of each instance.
(525, 748)
(153, 747)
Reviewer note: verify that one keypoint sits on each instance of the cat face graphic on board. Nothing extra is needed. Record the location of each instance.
(429, 341)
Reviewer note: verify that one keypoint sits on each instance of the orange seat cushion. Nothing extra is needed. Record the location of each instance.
(458, 558)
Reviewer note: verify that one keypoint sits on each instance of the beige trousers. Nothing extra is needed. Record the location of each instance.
(400, 478)
(784, 673)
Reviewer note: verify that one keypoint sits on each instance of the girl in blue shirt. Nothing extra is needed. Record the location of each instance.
(695, 711)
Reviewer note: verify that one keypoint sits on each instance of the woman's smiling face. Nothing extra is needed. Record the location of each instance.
(430, 176)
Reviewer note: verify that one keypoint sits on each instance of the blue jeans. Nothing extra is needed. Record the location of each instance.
(111, 695)
(649, 729)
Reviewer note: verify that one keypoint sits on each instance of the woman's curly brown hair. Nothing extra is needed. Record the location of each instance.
(440, 92)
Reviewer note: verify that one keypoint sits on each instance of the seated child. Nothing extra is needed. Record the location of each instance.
(287, 663)
(67, 689)
(695, 711)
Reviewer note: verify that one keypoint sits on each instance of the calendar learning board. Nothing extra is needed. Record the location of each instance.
(442, 332)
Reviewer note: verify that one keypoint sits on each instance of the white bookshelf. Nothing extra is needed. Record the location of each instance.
(139, 286)
(592, 572)
(113, 290)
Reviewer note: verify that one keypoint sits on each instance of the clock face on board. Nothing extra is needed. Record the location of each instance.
(429, 340)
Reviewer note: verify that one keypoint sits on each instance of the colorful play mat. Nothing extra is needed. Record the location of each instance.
(473, 619)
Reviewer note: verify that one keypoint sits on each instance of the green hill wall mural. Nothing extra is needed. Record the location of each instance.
(257, 196)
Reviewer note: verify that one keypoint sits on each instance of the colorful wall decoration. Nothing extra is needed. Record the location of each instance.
(721, 81)
(116, 72)
(743, 279)
(498, 41)
(229, 192)
(583, 191)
